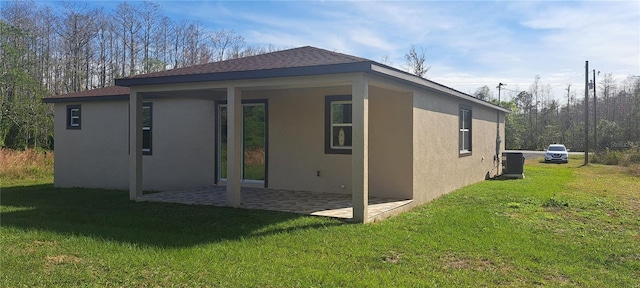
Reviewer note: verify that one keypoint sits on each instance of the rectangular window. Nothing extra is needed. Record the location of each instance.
(147, 117)
(73, 117)
(338, 124)
(465, 131)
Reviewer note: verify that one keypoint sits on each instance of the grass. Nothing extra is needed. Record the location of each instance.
(25, 167)
(254, 164)
(563, 225)
(629, 157)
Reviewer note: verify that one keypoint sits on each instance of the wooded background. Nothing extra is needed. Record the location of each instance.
(48, 50)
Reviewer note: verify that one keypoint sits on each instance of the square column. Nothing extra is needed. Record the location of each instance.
(234, 145)
(360, 149)
(135, 145)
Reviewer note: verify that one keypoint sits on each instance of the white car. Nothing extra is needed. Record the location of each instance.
(556, 153)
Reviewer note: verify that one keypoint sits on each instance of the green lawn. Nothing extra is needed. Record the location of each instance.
(561, 225)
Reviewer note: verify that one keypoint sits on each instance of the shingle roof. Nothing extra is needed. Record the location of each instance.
(113, 91)
(297, 57)
(303, 61)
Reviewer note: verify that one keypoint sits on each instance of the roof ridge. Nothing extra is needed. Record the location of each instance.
(294, 57)
(351, 57)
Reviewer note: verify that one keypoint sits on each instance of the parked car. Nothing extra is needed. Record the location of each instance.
(556, 153)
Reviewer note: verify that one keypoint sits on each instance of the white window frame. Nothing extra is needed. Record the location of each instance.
(334, 125)
(465, 117)
(74, 117)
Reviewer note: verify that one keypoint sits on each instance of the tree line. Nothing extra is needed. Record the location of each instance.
(72, 47)
(539, 119)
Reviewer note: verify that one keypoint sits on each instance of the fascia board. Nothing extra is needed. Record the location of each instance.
(247, 75)
(424, 83)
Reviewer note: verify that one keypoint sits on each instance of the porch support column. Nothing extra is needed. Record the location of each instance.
(234, 145)
(360, 149)
(135, 145)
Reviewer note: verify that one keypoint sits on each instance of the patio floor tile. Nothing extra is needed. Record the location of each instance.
(302, 202)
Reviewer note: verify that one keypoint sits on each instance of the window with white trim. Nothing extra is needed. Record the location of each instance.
(73, 117)
(464, 140)
(338, 124)
(147, 117)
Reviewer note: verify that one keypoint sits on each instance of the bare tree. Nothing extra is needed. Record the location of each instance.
(77, 29)
(223, 42)
(178, 42)
(150, 14)
(416, 62)
(127, 16)
(71, 47)
(193, 41)
(162, 38)
(386, 60)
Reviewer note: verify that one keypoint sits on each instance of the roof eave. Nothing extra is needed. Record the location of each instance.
(364, 66)
(85, 98)
(421, 82)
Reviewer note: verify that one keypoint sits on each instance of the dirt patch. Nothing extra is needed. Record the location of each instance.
(392, 257)
(558, 279)
(459, 262)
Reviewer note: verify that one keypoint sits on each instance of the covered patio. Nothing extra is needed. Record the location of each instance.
(309, 203)
(306, 107)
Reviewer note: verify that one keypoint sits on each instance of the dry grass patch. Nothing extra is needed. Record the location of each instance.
(62, 259)
(25, 165)
(610, 186)
(392, 257)
(463, 262)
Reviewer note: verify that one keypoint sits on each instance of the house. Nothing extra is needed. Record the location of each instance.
(324, 122)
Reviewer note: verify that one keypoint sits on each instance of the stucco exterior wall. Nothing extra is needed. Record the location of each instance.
(413, 143)
(390, 144)
(438, 167)
(296, 142)
(94, 156)
(183, 145)
(97, 155)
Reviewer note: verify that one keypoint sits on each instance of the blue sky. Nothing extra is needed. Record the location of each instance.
(468, 44)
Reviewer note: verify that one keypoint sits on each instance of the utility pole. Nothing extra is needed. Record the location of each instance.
(595, 114)
(586, 112)
(498, 140)
(568, 117)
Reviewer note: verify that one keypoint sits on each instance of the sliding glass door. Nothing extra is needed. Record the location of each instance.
(254, 141)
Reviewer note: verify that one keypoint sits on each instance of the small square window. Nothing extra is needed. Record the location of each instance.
(73, 117)
(338, 124)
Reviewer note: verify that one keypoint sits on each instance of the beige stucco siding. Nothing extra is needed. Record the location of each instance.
(183, 145)
(97, 155)
(296, 142)
(390, 141)
(438, 168)
(94, 156)
(413, 143)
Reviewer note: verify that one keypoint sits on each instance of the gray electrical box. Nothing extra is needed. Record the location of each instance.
(512, 165)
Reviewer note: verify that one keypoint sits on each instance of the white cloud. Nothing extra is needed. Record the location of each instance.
(469, 44)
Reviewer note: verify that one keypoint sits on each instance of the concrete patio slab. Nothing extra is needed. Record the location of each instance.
(301, 202)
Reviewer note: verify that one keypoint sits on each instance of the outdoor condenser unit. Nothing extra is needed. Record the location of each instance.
(512, 165)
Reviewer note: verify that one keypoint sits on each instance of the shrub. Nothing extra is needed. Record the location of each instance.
(618, 157)
(555, 202)
(634, 170)
(607, 157)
